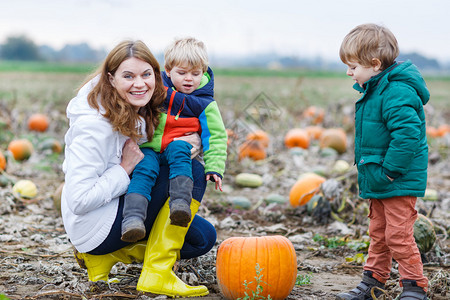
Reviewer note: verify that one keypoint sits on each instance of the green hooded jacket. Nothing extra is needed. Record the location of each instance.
(390, 136)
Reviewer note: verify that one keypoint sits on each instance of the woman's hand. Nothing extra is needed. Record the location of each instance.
(131, 156)
(192, 138)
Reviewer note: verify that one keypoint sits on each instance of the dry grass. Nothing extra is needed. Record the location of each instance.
(42, 91)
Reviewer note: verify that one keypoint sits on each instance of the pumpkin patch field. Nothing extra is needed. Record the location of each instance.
(289, 222)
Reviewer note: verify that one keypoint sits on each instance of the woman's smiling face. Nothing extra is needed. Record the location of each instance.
(134, 80)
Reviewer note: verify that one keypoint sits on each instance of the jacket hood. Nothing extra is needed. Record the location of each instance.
(407, 73)
(207, 90)
(79, 105)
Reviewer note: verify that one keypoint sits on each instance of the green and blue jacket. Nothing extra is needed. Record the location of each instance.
(196, 112)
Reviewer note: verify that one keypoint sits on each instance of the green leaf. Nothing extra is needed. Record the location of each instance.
(303, 279)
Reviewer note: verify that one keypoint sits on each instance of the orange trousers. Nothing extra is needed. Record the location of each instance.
(391, 230)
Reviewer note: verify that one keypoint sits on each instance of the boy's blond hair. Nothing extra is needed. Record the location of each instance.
(186, 51)
(368, 41)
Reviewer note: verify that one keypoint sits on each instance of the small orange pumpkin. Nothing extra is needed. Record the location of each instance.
(297, 137)
(230, 136)
(305, 188)
(432, 132)
(314, 131)
(38, 122)
(335, 138)
(52, 144)
(237, 261)
(21, 149)
(259, 135)
(2, 161)
(252, 149)
(443, 129)
(315, 114)
(56, 147)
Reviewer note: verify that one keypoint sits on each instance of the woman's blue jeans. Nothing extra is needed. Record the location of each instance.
(201, 235)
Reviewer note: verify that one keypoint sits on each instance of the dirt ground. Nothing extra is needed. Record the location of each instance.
(36, 260)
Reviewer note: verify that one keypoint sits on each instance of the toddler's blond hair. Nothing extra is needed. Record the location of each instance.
(188, 52)
(368, 41)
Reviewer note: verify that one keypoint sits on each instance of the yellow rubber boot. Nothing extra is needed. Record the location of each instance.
(163, 246)
(99, 266)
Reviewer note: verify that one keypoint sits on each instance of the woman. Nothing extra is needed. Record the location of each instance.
(107, 117)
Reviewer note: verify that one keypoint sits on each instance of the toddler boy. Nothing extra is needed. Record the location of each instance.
(391, 154)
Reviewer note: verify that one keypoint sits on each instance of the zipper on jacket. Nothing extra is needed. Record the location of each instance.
(181, 108)
(363, 105)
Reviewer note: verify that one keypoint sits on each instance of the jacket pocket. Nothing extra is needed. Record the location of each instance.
(375, 179)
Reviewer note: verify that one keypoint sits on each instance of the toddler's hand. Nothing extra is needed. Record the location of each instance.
(131, 156)
(216, 179)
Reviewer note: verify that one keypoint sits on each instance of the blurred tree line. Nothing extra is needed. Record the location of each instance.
(23, 48)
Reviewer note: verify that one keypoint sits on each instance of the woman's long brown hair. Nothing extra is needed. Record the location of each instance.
(120, 113)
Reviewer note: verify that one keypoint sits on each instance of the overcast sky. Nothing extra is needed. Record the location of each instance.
(294, 27)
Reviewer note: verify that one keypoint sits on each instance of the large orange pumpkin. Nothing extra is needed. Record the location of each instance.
(239, 257)
(38, 122)
(297, 137)
(305, 188)
(259, 135)
(21, 149)
(334, 138)
(2, 161)
(252, 149)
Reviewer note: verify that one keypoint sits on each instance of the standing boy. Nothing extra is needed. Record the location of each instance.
(189, 108)
(391, 154)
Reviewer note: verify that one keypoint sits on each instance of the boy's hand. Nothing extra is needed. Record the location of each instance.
(390, 178)
(215, 178)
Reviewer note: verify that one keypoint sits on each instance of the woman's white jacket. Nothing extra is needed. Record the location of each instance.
(94, 180)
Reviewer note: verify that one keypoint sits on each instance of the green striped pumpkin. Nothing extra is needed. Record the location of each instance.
(424, 233)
